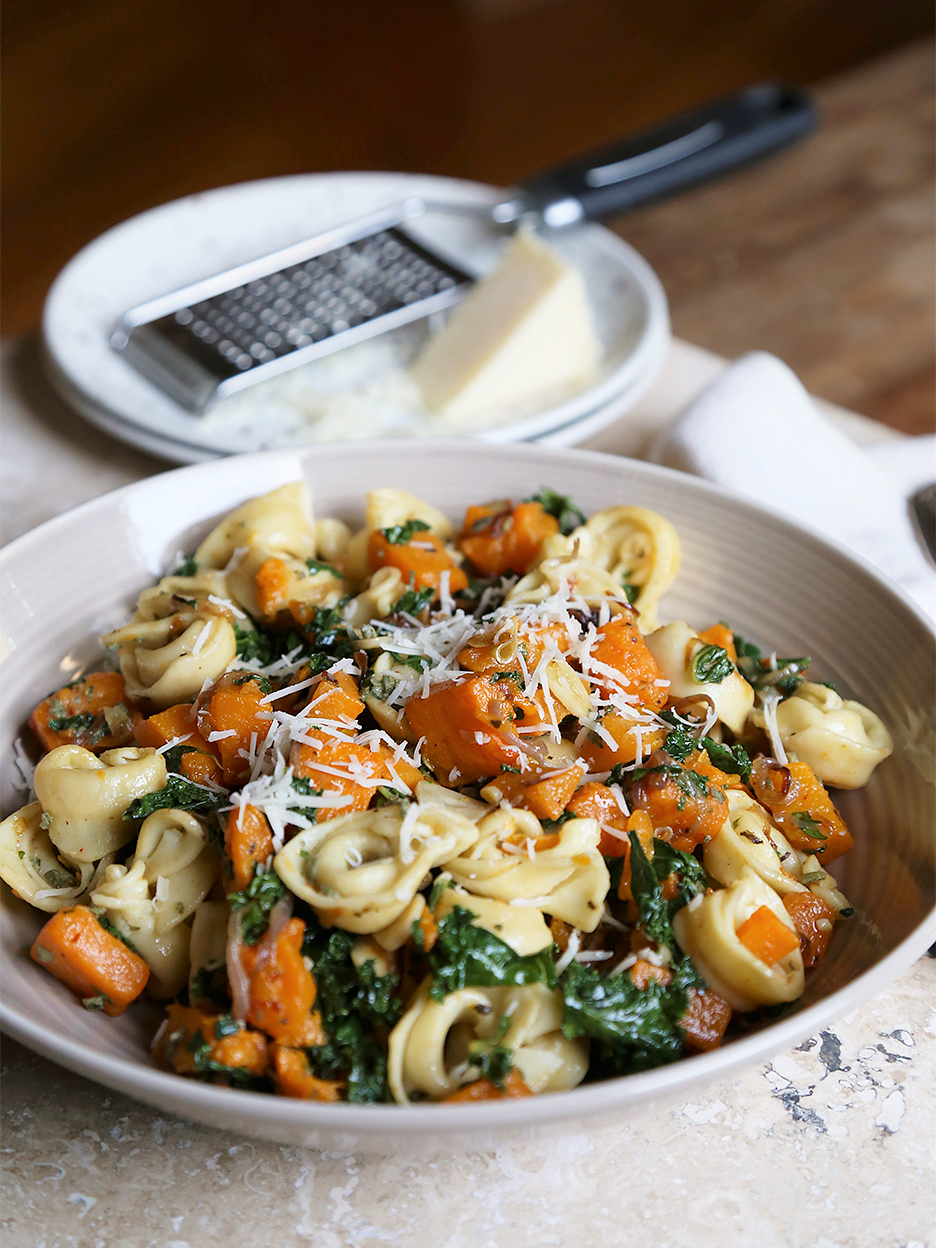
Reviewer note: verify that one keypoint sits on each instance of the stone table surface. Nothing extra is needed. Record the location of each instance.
(830, 1145)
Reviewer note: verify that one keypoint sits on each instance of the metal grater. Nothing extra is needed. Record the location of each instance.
(230, 331)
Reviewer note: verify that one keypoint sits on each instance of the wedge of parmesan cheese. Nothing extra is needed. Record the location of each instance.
(523, 330)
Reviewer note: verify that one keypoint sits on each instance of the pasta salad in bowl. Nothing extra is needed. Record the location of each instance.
(439, 801)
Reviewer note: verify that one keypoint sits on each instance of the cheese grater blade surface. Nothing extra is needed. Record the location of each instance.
(221, 335)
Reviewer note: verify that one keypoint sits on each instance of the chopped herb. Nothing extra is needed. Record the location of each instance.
(516, 677)
(759, 672)
(439, 884)
(403, 534)
(507, 767)
(847, 912)
(73, 723)
(226, 1026)
(206, 1065)
(95, 1003)
(729, 758)
(57, 877)
(681, 741)
(328, 632)
(550, 825)
(711, 665)
(44, 955)
(21, 853)
(305, 786)
(494, 1061)
(252, 645)
(316, 565)
(807, 825)
(261, 681)
(631, 592)
(255, 903)
(619, 774)
(467, 956)
(178, 794)
(418, 662)
(412, 601)
(387, 796)
(560, 506)
(112, 929)
(812, 877)
(188, 567)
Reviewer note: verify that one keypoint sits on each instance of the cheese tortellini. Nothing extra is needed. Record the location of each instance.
(749, 840)
(706, 929)
(149, 900)
(675, 647)
(361, 871)
(169, 660)
(279, 522)
(514, 861)
(32, 868)
(521, 927)
(84, 796)
(586, 580)
(206, 590)
(430, 1047)
(637, 547)
(841, 741)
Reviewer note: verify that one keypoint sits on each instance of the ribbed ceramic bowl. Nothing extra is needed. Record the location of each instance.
(777, 583)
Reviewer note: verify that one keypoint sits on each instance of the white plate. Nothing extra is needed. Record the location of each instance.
(778, 583)
(204, 234)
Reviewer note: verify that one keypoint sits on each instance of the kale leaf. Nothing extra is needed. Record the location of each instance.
(403, 534)
(255, 903)
(733, 759)
(807, 825)
(635, 1028)
(492, 1060)
(681, 740)
(468, 956)
(177, 794)
(560, 506)
(349, 997)
(316, 565)
(647, 876)
(188, 567)
(711, 665)
(757, 671)
(411, 602)
(72, 723)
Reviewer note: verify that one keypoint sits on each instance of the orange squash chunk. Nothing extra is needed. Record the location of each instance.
(499, 538)
(422, 560)
(282, 990)
(813, 919)
(766, 936)
(274, 583)
(240, 1050)
(85, 703)
(462, 723)
(628, 740)
(237, 707)
(645, 973)
(704, 1023)
(97, 966)
(546, 799)
(335, 697)
(596, 801)
(679, 811)
(294, 1076)
(797, 802)
(621, 647)
(248, 840)
(202, 767)
(487, 1090)
(349, 757)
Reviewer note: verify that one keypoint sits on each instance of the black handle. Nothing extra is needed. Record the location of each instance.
(672, 156)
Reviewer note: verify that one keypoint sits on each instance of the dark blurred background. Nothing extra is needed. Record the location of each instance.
(823, 254)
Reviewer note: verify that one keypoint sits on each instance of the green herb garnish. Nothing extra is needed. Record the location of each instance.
(560, 506)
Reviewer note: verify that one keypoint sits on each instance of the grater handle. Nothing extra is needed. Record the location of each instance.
(671, 157)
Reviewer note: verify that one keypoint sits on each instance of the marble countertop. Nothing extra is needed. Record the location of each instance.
(830, 1145)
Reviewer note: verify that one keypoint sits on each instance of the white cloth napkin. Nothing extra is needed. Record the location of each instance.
(757, 431)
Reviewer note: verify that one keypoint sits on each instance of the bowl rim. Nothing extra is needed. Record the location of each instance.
(163, 1088)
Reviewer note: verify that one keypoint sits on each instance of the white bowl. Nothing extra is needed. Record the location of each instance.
(180, 242)
(779, 584)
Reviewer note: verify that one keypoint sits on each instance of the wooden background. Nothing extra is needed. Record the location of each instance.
(824, 255)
